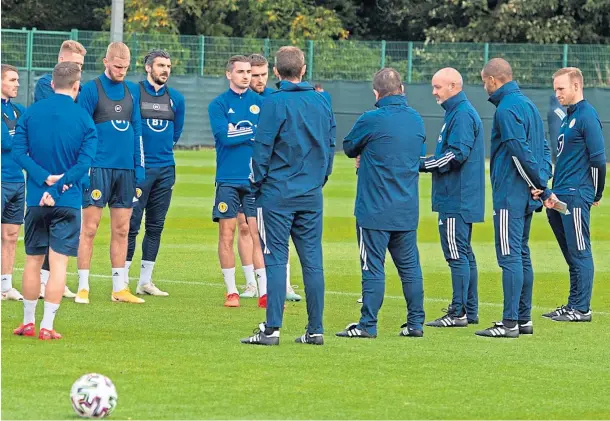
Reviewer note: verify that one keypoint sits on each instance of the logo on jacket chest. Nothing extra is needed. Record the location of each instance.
(157, 125)
(440, 136)
(560, 143)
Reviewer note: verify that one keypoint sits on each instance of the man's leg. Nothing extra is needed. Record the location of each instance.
(404, 252)
(578, 237)
(274, 231)
(45, 272)
(245, 249)
(54, 292)
(472, 304)
(509, 239)
(454, 242)
(306, 234)
(156, 210)
(140, 203)
(373, 245)
(13, 209)
(556, 221)
(525, 301)
(90, 224)
(10, 234)
(119, 230)
(247, 201)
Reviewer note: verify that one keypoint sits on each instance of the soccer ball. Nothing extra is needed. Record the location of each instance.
(93, 396)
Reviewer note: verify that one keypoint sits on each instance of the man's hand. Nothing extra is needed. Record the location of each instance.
(65, 187)
(52, 179)
(47, 200)
(551, 201)
(357, 162)
(596, 203)
(536, 193)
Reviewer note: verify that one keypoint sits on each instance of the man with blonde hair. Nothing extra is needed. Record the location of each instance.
(71, 52)
(580, 174)
(117, 169)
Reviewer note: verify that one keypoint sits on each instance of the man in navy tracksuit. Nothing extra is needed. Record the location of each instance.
(117, 169)
(292, 160)
(73, 52)
(233, 116)
(389, 142)
(579, 180)
(13, 186)
(520, 163)
(554, 117)
(458, 193)
(55, 143)
(162, 110)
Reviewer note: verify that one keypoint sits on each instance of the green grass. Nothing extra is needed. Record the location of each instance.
(180, 357)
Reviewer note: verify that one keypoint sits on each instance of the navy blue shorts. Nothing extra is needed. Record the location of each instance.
(13, 203)
(231, 199)
(112, 187)
(54, 227)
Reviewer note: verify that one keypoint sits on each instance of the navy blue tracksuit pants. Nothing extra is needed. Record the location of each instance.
(402, 246)
(574, 237)
(513, 253)
(305, 227)
(155, 197)
(456, 237)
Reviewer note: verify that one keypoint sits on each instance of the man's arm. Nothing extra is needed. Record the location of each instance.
(88, 98)
(460, 140)
(43, 89)
(20, 154)
(513, 135)
(333, 144)
(270, 122)
(358, 137)
(594, 139)
(85, 157)
(223, 133)
(179, 116)
(136, 122)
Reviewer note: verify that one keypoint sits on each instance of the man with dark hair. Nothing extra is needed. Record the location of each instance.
(458, 193)
(388, 142)
(55, 143)
(70, 52)
(13, 186)
(162, 110)
(233, 116)
(520, 161)
(260, 75)
(292, 160)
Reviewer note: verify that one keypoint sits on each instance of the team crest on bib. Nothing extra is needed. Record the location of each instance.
(118, 108)
(138, 192)
(96, 194)
(254, 109)
(572, 123)
(222, 207)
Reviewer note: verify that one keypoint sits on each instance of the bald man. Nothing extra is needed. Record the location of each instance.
(520, 163)
(458, 193)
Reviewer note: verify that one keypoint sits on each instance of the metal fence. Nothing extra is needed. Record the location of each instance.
(533, 64)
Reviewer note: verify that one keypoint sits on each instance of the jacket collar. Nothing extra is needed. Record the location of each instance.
(504, 90)
(391, 100)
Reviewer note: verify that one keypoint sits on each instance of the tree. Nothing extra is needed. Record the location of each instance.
(52, 15)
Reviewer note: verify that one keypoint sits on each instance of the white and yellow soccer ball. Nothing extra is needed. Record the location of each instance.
(93, 396)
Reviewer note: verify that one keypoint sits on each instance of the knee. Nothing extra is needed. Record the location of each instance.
(121, 231)
(88, 230)
(10, 237)
(244, 229)
(154, 228)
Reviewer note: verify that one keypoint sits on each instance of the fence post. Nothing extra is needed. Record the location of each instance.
(29, 59)
(486, 53)
(266, 48)
(565, 55)
(201, 54)
(382, 53)
(74, 35)
(410, 62)
(309, 60)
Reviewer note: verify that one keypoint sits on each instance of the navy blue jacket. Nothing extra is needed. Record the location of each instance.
(458, 164)
(55, 136)
(293, 149)
(160, 136)
(11, 171)
(234, 145)
(43, 88)
(581, 154)
(389, 141)
(520, 155)
(267, 92)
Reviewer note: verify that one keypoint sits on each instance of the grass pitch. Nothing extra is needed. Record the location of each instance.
(179, 357)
